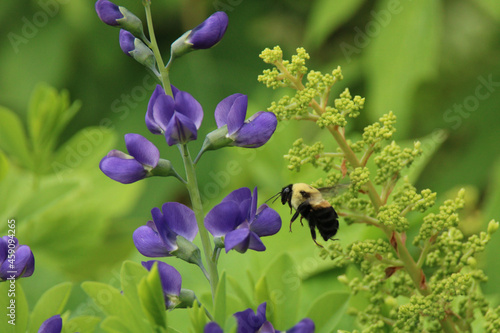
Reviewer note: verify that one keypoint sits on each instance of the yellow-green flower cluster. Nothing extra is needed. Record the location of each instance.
(285, 72)
(390, 216)
(332, 178)
(344, 106)
(433, 224)
(359, 176)
(382, 130)
(359, 251)
(392, 159)
(408, 199)
(300, 154)
(492, 324)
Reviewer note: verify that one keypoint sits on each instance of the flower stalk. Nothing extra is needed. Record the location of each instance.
(194, 195)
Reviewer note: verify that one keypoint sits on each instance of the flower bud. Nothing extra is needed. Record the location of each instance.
(186, 298)
(204, 36)
(187, 251)
(492, 226)
(118, 16)
(135, 48)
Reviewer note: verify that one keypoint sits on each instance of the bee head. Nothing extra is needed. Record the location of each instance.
(286, 194)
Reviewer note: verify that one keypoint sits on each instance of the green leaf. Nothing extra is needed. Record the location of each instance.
(284, 291)
(238, 290)
(402, 51)
(116, 325)
(114, 304)
(13, 304)
(220, 300)
(131, 275)
(81, 324)
(152, 299)
(262, 290)
(197, 317)
(325, 17)
(327, 310)
(51, 303)
(13, 139)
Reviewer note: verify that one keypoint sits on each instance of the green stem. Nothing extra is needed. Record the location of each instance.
(164, 72)
(194, 194)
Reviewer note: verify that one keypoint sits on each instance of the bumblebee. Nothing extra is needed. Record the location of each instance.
(309, 203)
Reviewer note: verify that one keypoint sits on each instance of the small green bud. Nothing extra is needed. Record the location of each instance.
(343, 279)
(215, 140)
(186, 298)
(391, 301)
(492, 227)
(187, 251)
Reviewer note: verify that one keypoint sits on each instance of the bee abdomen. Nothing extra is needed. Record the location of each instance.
(326, 220)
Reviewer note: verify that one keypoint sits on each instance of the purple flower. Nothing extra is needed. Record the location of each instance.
(178, 117)
(238, 220)
(118, 16)
(127, 41)
(51, 325)
(209, 32)
(16, 260)
(126, 169)
(158, 237)
(171, 281)
(108, 12)
(212, 327)
(254, 132)
(250, 322)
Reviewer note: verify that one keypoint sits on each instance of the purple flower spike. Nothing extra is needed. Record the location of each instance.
(51, 325)
(126, 169)
(158, 237)
(212, 327)
(108, 12)
(178, 117)
(171, 281)
(238, 220)
(16, 261)
(209, 32)
(254, 132)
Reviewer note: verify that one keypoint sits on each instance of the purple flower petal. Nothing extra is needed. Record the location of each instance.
(180, 219)
(125, 171)
(267, 221)
(180, 129)
(223, 218)
(127, 42)
(51, 325)
(159, 225)
(25, 261)
(256, 131)
(143, 150)
(108, 12)
(242, 196)
(149, 243)
(222, 109)
(189, 107)
(248, 321)
(306, 325)
(4, 248)
(267, 327)
(171, 279)
(255, 243)
(150, 121)
(238, 240)
(163, 110)
(212, 327)
(236, 116)
(209, 32)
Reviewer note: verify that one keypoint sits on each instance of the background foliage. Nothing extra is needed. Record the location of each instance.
(428, 61)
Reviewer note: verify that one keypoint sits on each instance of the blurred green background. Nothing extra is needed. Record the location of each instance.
(436, 64)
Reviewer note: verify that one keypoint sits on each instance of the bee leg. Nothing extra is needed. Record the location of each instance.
(301, 217)
(313, 234)
(294, 217)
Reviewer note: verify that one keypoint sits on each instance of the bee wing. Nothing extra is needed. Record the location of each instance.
(335, 190)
